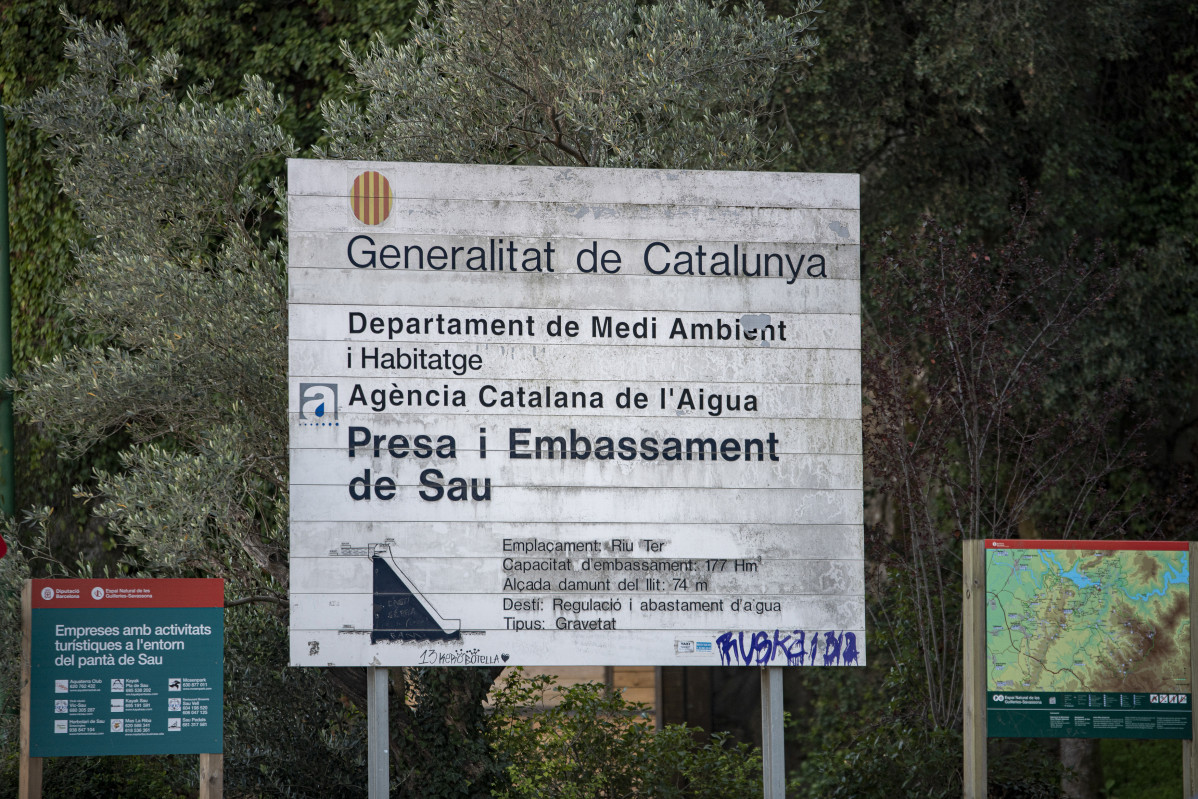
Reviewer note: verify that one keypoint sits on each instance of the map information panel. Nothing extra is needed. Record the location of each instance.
(1088, 639)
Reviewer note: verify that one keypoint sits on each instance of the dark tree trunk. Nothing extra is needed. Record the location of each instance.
(1083, 768)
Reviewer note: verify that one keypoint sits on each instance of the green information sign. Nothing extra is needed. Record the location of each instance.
(126, 667)
(1088, 639)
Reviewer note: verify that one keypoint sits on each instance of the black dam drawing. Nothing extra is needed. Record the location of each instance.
(401, 612)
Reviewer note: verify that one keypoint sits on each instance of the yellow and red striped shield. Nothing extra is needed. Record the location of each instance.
(371, 198)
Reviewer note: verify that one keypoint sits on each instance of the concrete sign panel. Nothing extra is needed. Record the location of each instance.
(552, 416)
(126, 667)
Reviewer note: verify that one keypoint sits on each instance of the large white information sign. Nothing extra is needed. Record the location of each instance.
(550, 416)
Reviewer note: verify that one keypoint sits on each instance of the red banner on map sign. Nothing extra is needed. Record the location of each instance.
(135, 593)
(1143, 546)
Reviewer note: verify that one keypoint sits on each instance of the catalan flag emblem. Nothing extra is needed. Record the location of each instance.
(371, 198)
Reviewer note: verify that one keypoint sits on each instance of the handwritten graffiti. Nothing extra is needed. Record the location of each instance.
(794, 648)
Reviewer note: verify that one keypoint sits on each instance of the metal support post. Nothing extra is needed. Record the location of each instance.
(773, 751)
(378, 735)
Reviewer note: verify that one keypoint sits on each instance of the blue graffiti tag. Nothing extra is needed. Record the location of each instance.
(797, 648)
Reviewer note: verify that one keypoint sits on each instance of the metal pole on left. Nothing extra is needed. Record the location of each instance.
(7, 473)
(378, 736)
(773, 751)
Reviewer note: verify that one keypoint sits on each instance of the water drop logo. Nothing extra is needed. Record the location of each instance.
(318, 405)
(371, 198)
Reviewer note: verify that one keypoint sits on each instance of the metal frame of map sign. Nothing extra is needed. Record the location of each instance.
(551, 416)
(1088, 639)
(126, 667)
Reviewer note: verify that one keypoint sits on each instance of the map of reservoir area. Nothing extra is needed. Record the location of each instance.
(1063, 619)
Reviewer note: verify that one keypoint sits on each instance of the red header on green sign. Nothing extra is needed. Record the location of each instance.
(1143, 546)
(150, 593)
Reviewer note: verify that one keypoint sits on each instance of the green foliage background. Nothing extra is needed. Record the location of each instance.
(946, 108)
(176, 364)
(956, 110)
(588, 742)
(295, 46)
